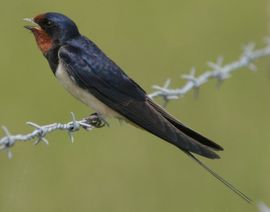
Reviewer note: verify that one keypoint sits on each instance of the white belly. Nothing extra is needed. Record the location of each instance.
(82, 94)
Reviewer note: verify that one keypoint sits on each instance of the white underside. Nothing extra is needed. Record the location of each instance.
(83, 95)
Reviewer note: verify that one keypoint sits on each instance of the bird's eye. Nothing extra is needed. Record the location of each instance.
(48, 23)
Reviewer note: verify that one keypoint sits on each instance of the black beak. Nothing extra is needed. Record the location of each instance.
(29, 27)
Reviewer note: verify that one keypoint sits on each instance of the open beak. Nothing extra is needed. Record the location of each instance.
(31, 27)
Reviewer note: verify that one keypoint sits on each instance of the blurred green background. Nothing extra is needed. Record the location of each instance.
(122, 168)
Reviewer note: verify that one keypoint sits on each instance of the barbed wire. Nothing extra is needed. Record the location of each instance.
(40, 132)
(218, 71)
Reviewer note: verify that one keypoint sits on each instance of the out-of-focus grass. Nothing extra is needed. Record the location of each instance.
(122, 168)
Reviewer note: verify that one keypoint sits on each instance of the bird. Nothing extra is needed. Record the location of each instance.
(88, 74)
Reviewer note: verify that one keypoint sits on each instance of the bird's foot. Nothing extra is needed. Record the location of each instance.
(97, 120)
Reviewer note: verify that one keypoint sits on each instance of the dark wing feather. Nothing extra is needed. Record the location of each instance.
(188, 131)
(110, 85)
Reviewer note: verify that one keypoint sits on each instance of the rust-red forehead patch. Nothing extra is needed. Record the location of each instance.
(39, 17)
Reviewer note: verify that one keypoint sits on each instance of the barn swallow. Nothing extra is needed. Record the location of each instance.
(94, 79)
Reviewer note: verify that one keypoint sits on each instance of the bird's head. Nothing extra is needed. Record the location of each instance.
(52, 29)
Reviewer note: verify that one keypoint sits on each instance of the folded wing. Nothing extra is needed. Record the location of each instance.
(108, 83)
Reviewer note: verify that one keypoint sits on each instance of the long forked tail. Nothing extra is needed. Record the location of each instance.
(225, 182)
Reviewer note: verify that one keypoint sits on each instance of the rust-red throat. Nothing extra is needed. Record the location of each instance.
(44, 41)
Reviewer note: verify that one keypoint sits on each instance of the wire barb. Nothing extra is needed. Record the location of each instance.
(8, 142)
(41, 133)
(191, 78)
(75, 126)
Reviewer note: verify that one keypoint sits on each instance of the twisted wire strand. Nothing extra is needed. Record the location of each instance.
(217, 71)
